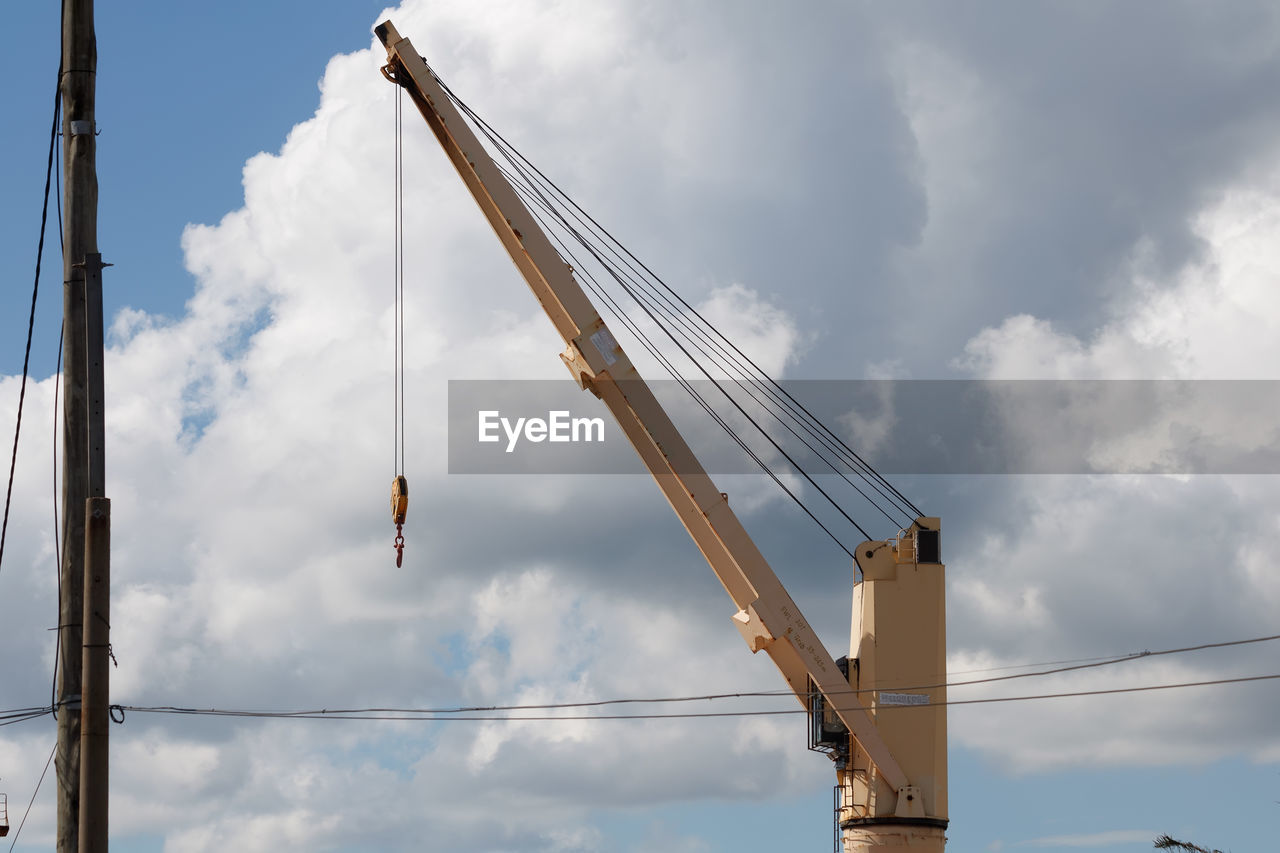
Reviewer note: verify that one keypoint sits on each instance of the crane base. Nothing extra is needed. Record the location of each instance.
(890, 835)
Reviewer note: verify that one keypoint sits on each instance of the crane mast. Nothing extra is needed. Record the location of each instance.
(881, 714)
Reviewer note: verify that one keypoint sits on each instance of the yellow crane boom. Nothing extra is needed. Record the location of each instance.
(880, 794)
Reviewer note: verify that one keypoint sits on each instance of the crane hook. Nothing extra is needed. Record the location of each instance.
(399, 507)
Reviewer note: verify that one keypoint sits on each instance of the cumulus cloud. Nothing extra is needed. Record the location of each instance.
(253, 565)
(1059, 141)
(1215, 318)
(250, 438)
(1109, 564)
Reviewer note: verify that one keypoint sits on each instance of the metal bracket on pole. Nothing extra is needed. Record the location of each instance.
(94, 371)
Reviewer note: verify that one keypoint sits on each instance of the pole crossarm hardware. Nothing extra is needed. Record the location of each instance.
(767, 617)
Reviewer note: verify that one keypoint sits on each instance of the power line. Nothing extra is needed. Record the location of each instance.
(31, 321)
(23, 822)
(1029, 665)
(1106, 662)
(1106, 692)
(425, 715)
(476, 714)
(775, 693)
(19, 715)
(470, 715)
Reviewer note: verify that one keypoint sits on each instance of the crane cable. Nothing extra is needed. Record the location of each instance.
(600, 292)
(399, 485)
(641, 280)
(536, 190)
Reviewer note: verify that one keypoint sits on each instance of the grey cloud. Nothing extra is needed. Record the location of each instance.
(816, 192)
(1106, 128)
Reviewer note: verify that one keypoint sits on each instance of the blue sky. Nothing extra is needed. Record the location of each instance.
(916, 192)
(173, 142)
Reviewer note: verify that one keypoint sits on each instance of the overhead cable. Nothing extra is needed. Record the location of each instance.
(437, 715)
(26, 713)
(17, 832)
(31, 321)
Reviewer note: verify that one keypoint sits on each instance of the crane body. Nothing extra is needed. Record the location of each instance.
(890, 756)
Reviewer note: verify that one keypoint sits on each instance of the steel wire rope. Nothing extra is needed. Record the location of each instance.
(644, 340)
(644, 307)
(731, 364)
(501, 144)
(687, 385)
(499, 141)
(31, 321)
(512, 155)
(634, 328)
(18, 832)
(398, 431)
(745, 383)
(673, 312)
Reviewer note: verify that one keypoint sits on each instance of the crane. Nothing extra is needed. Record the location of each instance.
(880, 712)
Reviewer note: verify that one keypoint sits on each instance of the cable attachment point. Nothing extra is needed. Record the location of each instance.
(399, 508)
(390, 72)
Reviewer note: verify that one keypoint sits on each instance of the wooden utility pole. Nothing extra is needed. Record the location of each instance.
(97, 648)
(83, 465)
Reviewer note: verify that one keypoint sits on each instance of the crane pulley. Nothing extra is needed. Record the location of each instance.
(399, 506)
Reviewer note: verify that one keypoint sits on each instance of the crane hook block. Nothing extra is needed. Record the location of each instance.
(399, 507)
(399, 499)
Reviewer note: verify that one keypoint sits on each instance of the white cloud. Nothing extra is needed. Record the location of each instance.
(1093, 839)
(253, 565)
(1215, 320)
(1107, 564)
(249, 454)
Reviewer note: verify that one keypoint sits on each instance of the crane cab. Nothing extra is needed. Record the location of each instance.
(4, 815)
